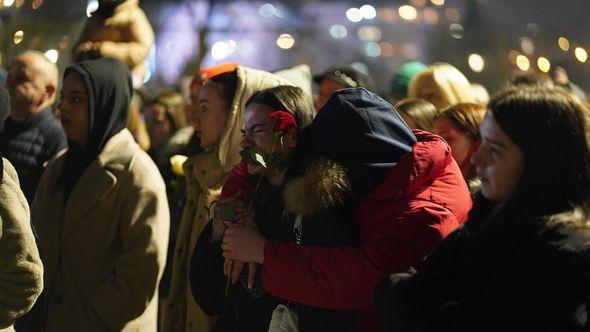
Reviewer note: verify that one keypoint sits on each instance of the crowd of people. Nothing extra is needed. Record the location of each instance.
(256, 205)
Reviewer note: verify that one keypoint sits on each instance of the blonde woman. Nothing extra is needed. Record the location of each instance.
(441, 84)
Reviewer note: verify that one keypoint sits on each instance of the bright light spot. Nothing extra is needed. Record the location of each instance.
(18, 36)
(453, 15)
(92, 7)
(220, 50)
(386, 49)
(52, 55)
(527, 46)
(543, 64)
(456, 30)
(438, 2)
(363, 68)
(368, 12)
(8, 3)
(369, 33)
(523, 62)
(581, 54)
(408, 13)
(285, 41)
(36, 4)
(476, 62)
(564, 44)
(338, 31)
(430, 15)
(354, 15)
(267, 10)
(373, 49)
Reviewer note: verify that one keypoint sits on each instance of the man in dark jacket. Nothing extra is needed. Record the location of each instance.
(31, 136)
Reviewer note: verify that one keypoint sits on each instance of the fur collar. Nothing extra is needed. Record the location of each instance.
(324, 185)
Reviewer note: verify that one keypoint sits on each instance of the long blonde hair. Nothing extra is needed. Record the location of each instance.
(442, 84)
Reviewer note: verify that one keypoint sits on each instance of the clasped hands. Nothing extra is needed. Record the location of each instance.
(241, 241)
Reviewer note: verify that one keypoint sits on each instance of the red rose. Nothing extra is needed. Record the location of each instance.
(282, 121)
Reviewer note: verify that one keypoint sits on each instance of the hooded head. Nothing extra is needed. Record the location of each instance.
(108, 91)
(363, 133)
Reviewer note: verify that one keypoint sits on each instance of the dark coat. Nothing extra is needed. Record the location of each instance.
(29, 145)
(533, 276)
(328, 222)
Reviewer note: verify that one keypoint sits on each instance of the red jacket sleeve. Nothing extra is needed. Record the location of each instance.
(343, 278)
(237, 181)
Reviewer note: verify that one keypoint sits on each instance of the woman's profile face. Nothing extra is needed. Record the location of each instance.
(462, 146)
(212, 115)
(73, 105)
(499, 161)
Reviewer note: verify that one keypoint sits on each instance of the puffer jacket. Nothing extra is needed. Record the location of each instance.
(29, 145)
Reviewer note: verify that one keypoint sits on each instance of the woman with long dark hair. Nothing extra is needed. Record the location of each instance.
(522, 260)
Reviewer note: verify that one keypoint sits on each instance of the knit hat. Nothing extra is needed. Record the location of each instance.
(403, 76)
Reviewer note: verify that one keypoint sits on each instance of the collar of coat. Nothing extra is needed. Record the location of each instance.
(116, 155)
(323, 185)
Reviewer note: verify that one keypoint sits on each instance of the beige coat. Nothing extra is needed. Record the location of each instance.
(21, 271)
(205, 175)
(127, 35)
(113, 233)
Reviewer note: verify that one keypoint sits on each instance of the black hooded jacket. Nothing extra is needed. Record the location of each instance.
(109, 89)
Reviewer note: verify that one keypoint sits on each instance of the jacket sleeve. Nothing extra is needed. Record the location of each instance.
(140, 38)
(144, 226)
(206, 274)
(21, 270)
(237, 181)
(343, 278)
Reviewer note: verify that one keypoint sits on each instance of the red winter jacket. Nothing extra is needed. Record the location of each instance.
(422, 200)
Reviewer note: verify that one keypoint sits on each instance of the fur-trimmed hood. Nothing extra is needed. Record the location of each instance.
(325, 184)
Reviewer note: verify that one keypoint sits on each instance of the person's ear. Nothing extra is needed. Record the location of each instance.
(50, 90)
(290, 137)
